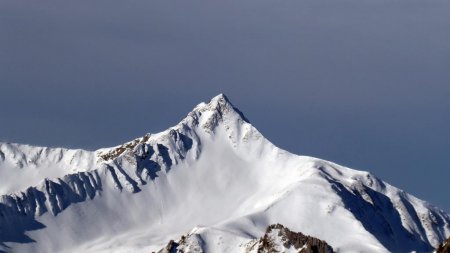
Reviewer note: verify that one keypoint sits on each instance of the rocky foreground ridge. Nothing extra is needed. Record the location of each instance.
(277, 238)
(444, 247)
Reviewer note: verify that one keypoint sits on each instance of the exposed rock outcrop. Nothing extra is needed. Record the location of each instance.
(444, 247)
(277, 238)
(190, 243)
(280, 239)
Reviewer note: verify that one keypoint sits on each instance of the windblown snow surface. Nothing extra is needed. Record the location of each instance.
(213, 175)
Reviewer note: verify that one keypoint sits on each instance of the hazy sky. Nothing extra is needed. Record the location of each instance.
(364, 83)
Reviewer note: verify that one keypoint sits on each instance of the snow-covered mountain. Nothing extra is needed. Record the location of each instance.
(213, 176)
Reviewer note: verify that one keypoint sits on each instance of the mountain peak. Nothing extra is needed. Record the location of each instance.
(208, 116)
(221, 97)
(220, 103)
(219, 106)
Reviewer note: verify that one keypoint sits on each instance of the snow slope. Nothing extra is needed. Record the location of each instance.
(213, 175)
(23, 165)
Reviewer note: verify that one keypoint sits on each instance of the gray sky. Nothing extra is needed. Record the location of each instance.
(364, 83)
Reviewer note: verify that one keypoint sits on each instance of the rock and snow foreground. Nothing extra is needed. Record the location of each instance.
(213, 176)
(444, 247)
(276, 239)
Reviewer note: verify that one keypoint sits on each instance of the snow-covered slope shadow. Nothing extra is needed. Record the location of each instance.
(214, 175)
(18, 211)
(14, 227)
(380, 218)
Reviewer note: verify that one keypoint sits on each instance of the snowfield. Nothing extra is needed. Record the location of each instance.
(213, 176)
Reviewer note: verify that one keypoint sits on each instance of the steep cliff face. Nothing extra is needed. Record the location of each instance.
(213, 171)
